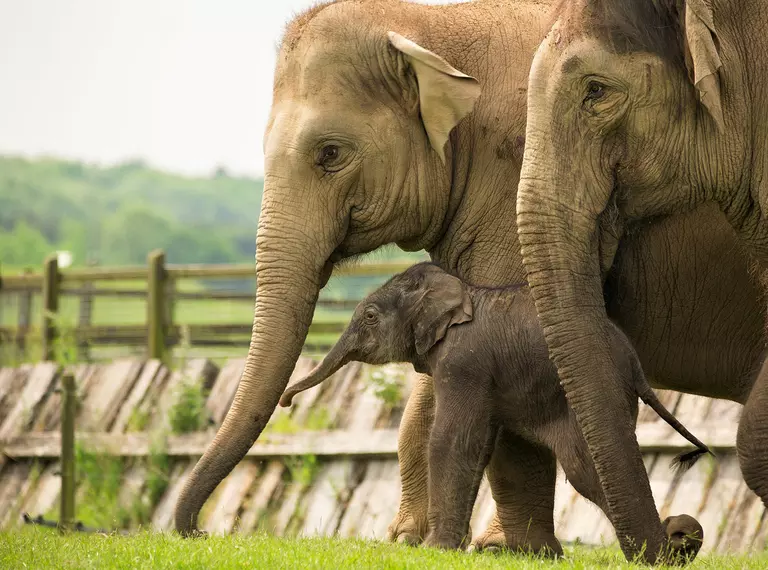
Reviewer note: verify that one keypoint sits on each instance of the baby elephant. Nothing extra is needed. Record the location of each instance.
(493, 379)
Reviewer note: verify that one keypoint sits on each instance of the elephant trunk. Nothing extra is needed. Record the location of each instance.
(558, 211)
(290, 271)
(339, 355)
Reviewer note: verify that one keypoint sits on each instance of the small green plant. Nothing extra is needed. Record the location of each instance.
(138, 420)
(282, 424)
(100, 480)
(188, 413)
(319, 419)
(389, 387)
(302, 468)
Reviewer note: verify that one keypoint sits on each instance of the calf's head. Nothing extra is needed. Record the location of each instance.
(399, 322)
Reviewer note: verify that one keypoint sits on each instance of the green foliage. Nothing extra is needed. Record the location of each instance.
(389, 387)
(118, 214)
(302, 468)
(42, 548)
(188, 413)
(100, 478)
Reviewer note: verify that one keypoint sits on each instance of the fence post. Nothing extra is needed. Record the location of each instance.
(85, 315)
(68, 411)
(50, 307)
(156, 304)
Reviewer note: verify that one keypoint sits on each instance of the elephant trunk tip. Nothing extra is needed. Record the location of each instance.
(287, 398)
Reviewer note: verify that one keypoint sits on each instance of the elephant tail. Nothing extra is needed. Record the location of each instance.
(687, 459)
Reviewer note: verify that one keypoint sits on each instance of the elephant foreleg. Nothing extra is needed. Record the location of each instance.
(522, 478)
(410, 524)
(460, 447)
(752, 437)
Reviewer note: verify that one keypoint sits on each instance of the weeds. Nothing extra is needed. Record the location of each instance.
(388, 387)
(302, 468)
(188, 413)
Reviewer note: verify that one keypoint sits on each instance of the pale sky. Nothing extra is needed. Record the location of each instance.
(183, 84)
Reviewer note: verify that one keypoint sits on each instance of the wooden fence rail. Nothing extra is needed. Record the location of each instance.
(159, 332)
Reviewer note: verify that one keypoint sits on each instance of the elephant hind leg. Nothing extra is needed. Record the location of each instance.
(522, 477)
(752, 437)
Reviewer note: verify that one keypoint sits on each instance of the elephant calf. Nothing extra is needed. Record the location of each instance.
(493, 379)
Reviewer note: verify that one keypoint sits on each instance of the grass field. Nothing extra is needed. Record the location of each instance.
(41, 548)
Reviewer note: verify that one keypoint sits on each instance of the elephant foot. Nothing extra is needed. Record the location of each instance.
(492, 540)
(495, 541)
(405, 530)
(193, 533)
(684, 538)
(445, 541)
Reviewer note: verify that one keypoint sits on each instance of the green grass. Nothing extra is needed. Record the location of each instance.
(41, 548)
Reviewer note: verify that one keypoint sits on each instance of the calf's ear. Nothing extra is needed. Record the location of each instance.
(444, 303)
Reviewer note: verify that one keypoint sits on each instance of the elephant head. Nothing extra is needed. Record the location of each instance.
(355, 157)
(632, 114)
(399, 322)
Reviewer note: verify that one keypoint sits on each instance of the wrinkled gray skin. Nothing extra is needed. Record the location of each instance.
(340, 78)
(493, 379)
(641, 110)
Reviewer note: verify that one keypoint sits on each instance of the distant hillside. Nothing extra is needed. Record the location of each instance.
(116, 215)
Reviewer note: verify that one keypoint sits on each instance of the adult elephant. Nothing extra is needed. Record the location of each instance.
(371, 141)
(640, 110)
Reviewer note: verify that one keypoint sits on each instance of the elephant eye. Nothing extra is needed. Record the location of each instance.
(328, 154)
(595, 91)
(370, 316)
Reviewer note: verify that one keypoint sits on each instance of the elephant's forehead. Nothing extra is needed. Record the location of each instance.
(291, 124)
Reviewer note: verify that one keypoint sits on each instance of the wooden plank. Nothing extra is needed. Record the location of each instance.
(725, 412)
(108, 390)
(341, 442)
(483, 510)
(332, 489)
(714, 514)
(150, 374)
(354, 514)
(162, 518)
(46, 492)
(14, 381)
(383, 503)
(49, 416)
(38, 385)
(381, 443)
(233, 490)
(289, 507)
(742, 522)
(257, 503)
(224, 388)
(12, 481)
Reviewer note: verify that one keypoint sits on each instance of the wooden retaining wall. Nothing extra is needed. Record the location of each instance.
(352, 488)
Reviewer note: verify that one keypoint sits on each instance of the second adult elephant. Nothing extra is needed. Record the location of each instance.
(640, 110)
(377, 137)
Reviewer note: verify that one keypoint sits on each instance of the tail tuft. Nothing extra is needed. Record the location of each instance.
(684, 461)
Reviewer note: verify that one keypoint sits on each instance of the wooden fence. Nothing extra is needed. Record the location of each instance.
(327, 465)
(159, 289)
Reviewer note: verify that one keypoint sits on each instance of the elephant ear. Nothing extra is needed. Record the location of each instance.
(444, 302)
(446, 95)
(702, 58)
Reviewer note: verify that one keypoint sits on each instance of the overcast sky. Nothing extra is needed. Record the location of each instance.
(183, 84)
